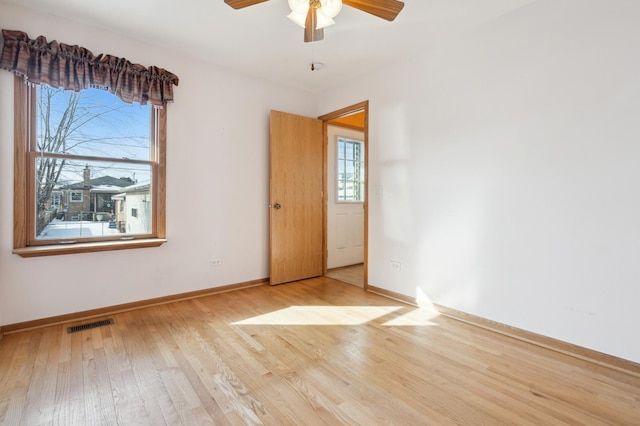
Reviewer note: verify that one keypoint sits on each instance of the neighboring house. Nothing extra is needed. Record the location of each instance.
(133, 209)
(90, 199)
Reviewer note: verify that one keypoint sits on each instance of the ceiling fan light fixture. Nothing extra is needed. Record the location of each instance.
(298, 18)
(323, 10)
(299, 6)
(330, 8)
(322, 21)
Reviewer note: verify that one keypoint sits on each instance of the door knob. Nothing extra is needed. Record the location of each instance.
(277, 206)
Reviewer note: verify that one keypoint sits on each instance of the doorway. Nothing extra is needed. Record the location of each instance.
(351, 121)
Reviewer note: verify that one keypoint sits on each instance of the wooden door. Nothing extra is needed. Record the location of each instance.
(296, 198)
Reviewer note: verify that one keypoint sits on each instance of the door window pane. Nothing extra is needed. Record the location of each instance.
(349, 170)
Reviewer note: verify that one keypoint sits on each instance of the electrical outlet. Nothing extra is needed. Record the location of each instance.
(215, 262)
(396, 265)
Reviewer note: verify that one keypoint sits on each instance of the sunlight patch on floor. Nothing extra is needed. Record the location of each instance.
(342, 315)
(425, 302)
(414, 317)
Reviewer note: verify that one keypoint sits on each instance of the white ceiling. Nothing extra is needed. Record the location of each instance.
(260, 40)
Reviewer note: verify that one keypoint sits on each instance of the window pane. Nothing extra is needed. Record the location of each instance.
(350, 170)
(348, 151)
(84, 199)
(92, 122)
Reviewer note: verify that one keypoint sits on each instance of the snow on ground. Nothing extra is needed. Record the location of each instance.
(75, 229)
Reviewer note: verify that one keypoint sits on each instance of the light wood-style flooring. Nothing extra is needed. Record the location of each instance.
(349, 274)
(316, 352)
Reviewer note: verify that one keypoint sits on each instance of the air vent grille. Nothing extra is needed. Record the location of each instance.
(90, 325)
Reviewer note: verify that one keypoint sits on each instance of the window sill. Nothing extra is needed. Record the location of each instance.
(37, 251)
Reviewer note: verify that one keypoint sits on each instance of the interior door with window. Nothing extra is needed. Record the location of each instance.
(296, 197)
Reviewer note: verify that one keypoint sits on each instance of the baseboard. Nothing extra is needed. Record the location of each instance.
(115, 309)
(595, 357)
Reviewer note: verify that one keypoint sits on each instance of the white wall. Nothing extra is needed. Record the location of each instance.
(509, 161)
(217, 187)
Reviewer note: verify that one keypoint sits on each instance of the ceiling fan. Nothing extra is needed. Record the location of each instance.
(315, 15)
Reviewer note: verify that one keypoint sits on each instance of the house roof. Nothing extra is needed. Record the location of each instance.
(103, 184)
(138, 188)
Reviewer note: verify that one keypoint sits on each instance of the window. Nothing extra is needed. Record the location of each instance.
(350, 171)
(55, 200)
(83, 151)
(75, 196)
(82, 142)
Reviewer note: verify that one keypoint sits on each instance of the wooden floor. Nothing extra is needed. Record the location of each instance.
(349, 274)
(314, 352)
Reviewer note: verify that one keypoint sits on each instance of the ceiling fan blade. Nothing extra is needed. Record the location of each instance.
(385, 9)
(239, 4)
(312, 34)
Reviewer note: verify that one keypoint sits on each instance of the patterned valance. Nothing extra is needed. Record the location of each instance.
(76, 68)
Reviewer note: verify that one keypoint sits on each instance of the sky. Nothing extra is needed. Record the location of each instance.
(102, 126)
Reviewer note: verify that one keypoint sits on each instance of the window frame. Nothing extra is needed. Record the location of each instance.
(337, 170)
(56, 199)
(24, 188)
(73, 199)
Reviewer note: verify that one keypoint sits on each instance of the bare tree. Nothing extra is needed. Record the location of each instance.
(53, 137)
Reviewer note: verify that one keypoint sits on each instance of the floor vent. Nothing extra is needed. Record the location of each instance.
(89, 325)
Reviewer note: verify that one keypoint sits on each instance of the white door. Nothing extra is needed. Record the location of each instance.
(345, 220)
